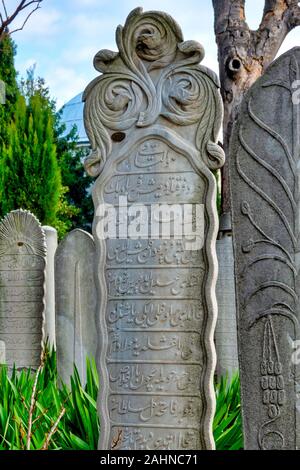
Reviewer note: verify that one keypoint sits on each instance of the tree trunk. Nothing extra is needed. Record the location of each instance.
(244, 55)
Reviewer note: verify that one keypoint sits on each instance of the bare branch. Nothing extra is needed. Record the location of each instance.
(274, 14)
(24, 403)
(23, 5)
(53, 429)
(117, 440)
(33, 401)
(279, 18)
(244, 55)
(4, 8)
(227, 13)
(294, 17)
(40, 416)
(26, 19)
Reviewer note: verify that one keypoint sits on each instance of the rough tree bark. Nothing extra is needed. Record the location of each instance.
(7, 18)
(244, 54)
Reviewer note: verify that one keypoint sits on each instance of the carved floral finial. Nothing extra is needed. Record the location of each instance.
(155, 73)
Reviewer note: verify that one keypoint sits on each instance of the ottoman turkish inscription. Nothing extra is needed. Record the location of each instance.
(22, 278)
(265, 157)
(153, 119)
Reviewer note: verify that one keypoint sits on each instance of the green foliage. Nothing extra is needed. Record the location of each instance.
(7, 72)
(30, 176)
(228, 422)
(78, 428)
(217, 174)
(41, 169)
(9, 76)
(70, 158)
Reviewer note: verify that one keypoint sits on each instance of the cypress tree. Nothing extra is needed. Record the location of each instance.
(31, 176)
(8, 76)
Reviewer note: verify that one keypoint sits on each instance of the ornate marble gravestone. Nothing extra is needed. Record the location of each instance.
(153, 118)
(265, 157)
(22, 277)
(75, 297)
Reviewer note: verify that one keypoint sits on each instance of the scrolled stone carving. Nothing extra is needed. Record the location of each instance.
(154, 73)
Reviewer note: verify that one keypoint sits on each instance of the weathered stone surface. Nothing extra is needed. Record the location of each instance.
(2, 353)
(51, 244)
(75, 295)
(226, 332)
(2, 92)
(22, 278)
(265, 163)
(153, 118)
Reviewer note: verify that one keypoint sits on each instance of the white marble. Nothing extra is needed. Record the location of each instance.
(153, 119)
(51, 244)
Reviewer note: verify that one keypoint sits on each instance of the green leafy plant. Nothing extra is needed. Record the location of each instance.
(38, 412)
(227, 424)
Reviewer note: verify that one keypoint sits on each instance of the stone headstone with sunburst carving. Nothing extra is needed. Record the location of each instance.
(22, 278)
(153, 118)
(265, 164)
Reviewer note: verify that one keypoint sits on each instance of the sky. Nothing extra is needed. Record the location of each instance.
(64, 35)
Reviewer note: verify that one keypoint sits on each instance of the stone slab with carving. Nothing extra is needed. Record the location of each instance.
(153, 118)
(265, 161)
(75, 296)
(22, 278)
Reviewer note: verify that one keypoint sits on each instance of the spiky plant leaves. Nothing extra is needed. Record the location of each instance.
(227, 421)
(79, 427)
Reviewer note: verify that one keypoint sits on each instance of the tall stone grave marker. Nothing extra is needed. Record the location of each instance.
(153, 118)
(75, 293)
(265, 162)
(22, 277)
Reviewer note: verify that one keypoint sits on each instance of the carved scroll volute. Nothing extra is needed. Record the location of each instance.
(265, 162)
(155, 73)
(153, 119)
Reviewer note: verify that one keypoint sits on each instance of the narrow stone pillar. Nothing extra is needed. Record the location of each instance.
(2, 353)
(226, 329)
(51, 244)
